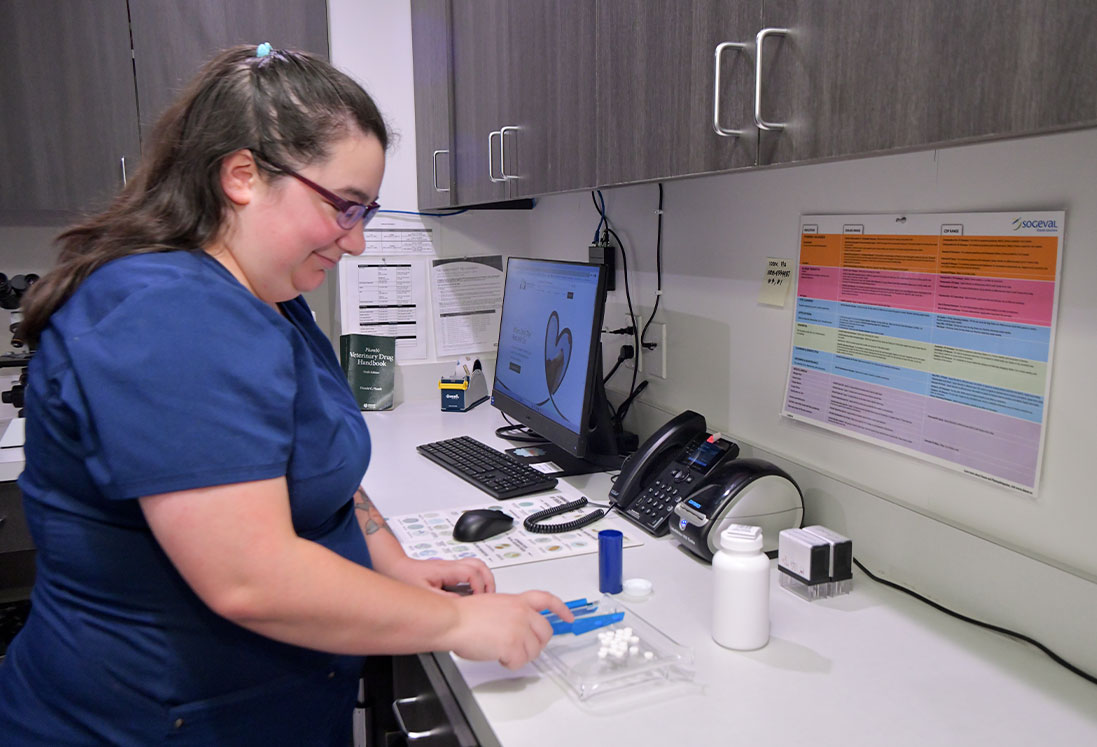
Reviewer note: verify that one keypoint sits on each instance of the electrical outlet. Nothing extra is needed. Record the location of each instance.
(638, 322)
(654, 362)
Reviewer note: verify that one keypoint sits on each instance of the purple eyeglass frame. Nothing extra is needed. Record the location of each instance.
(348, 212)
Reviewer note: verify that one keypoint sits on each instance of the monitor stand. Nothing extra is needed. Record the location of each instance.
(607, 446)
(568, 463)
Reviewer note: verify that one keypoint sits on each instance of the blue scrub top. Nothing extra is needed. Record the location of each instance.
(163, 373)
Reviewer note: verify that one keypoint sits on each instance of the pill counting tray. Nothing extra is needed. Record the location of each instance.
(583, 666)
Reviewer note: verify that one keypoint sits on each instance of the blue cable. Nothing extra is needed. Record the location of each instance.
(432, 215)
(602, 210)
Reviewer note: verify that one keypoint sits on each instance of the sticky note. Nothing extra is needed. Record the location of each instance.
(776, 281)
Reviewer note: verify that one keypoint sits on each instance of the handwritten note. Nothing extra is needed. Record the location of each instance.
(776, 281)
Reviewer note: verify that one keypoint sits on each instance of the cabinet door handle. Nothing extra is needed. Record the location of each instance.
(123, 160)
(758, 119)
(722, 131)
(491, 157)
(411, 735)
(503, 152)
(436, 187)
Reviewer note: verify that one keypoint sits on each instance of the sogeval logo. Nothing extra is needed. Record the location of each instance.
(1040, 225)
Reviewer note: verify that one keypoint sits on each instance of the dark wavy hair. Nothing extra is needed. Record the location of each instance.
(289, 106)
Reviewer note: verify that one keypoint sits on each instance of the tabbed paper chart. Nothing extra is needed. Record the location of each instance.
(430, 534)
(931, 334)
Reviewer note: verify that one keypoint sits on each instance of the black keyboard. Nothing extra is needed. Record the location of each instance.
(496, 473)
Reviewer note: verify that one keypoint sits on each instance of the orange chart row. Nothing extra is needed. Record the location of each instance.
(1019, 257)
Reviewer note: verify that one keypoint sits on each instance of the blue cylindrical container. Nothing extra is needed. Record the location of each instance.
(610, 545)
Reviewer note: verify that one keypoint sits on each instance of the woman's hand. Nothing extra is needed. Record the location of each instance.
(434, 574)
(508, 628)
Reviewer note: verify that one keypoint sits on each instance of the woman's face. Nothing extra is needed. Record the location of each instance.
(282, 241)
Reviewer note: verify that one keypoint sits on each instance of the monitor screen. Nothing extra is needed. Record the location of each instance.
(548, 374)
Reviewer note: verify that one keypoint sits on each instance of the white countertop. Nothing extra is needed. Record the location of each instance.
(870, 667)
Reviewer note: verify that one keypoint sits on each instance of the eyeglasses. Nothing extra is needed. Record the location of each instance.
(348, 212)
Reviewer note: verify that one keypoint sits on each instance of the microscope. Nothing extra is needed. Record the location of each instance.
(11, 294)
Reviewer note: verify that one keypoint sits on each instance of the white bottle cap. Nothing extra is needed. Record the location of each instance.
(637, 588)
(741, 538)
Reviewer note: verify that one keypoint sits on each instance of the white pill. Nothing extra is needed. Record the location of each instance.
(649, 655)
(633, 650)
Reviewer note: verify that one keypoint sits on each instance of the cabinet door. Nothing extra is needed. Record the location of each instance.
(433, 63)
(1012, 68)
(171, 39)
(860, 76)
(480, 77)
(69, 115)
(655, 64)
(552, 96)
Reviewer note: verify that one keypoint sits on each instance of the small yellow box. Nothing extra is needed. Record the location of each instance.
(464, 392)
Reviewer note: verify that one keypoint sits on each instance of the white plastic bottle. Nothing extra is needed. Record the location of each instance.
(740, 604)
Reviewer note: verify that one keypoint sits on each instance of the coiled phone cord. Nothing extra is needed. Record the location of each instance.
(531, 522)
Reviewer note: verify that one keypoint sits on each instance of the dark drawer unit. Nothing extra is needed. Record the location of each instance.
(16, 564)
(13, 615)
(410, 702)
(14, 535)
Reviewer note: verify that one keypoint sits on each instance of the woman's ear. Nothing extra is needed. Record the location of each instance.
(240, 176)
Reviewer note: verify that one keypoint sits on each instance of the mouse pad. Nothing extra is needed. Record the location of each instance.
(430, 534)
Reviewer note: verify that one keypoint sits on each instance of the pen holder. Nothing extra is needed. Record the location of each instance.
(460, 393)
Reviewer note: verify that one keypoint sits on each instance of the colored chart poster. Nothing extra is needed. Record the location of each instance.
(930, 334)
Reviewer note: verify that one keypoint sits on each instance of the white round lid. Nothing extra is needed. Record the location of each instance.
(637, 588)
(741, 538)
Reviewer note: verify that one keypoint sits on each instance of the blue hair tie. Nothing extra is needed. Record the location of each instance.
(263, 49)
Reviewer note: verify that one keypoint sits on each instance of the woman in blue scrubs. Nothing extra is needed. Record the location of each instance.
(209, 569)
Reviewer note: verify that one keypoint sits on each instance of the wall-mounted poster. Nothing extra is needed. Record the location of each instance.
(931, 334)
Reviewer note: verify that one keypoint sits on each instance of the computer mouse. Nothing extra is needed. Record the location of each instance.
(480, 524)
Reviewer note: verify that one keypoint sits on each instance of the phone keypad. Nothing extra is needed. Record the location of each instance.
(656, 503)
(679, 477)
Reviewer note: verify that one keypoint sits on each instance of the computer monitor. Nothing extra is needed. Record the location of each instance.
(548, 374)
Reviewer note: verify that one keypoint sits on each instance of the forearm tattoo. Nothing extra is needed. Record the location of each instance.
(374, 520)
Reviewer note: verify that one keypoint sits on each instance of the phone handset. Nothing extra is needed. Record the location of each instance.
(655, 454)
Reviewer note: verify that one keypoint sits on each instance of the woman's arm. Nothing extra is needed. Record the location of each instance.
(390, 559)
(236, 548)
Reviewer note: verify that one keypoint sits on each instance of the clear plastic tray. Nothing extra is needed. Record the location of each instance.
(574, 662)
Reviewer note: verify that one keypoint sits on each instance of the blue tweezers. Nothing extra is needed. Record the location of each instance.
(582, 624)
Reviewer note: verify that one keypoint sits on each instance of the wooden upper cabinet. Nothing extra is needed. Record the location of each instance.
(561, 95)
(171, 39)
(518, 116)
(861, 76)
(1012, 68)
(78, 94)
(656, 102)
(552, 95)
(68, 116)
(480, 103)
(432, 45)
